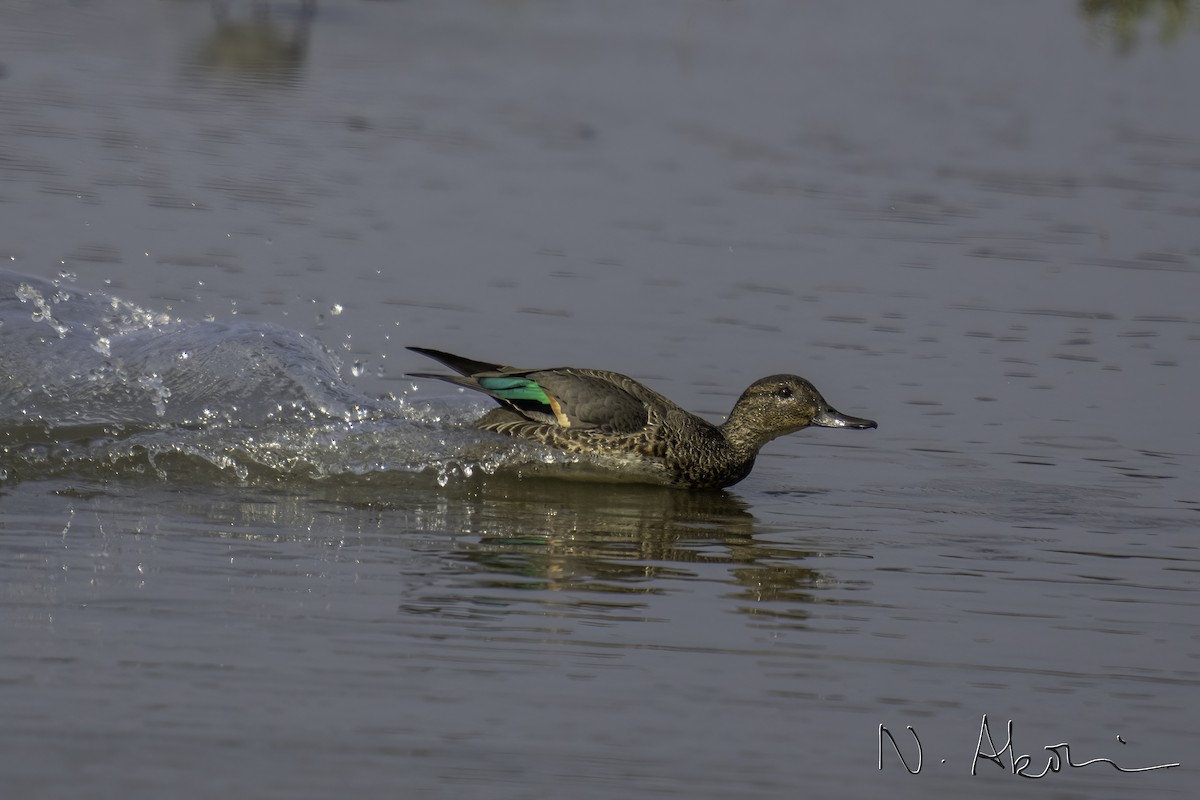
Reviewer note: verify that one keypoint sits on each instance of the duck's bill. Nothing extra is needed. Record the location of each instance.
(831, 418)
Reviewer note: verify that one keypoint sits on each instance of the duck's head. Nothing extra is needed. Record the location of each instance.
(781, 404)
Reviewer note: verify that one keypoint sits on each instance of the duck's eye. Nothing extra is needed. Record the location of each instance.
(785, 393)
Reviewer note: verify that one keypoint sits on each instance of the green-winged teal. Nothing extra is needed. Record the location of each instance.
(606, 414)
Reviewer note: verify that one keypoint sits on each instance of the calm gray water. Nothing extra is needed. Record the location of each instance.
(242, 554)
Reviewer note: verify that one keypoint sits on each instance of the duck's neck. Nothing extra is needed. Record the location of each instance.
(743, 434)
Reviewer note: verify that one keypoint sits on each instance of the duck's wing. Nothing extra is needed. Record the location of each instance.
(567, 397)
(589, 399)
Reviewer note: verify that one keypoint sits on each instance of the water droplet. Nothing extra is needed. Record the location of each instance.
(159, 394)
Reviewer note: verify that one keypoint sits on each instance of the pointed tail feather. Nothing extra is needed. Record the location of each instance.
(463, 366)
(458, 380)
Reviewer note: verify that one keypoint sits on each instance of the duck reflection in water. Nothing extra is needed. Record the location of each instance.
(591, 548)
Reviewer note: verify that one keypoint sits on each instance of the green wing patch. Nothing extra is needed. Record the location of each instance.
(514, 389)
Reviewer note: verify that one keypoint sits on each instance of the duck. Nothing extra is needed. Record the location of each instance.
(615, 418)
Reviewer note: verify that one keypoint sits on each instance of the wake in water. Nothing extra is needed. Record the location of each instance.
(91, 383)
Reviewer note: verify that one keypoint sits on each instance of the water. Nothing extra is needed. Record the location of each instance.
(241, 553)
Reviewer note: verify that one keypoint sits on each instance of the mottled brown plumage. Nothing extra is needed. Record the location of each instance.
(607, 414)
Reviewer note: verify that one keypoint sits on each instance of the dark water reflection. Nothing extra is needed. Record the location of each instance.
(559, 536)
(256, 48)
(1125, 21)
